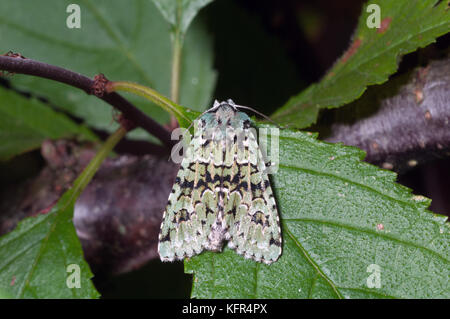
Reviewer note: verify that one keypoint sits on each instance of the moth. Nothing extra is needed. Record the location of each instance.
(221, 193)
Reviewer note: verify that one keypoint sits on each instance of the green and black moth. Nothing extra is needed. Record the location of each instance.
(221, 193)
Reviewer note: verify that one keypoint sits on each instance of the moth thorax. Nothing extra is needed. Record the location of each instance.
(225, 114)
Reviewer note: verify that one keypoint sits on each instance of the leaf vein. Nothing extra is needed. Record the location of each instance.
(314, 264)
(370, 232)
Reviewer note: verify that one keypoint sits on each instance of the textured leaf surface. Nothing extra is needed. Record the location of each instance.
(4, 295)
(371, 58)
(25, 123)
(339, 217)
(125, 40)
(35, 256)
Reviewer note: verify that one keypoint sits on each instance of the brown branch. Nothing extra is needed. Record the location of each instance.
(18, 64)
(400, 124)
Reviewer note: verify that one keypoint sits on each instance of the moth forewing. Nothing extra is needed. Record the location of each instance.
(257, 233)
(221, 192)
(270, 154)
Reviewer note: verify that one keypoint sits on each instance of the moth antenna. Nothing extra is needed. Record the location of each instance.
(256, 112)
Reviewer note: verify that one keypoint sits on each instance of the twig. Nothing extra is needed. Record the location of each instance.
(400, 124)
(44, 70)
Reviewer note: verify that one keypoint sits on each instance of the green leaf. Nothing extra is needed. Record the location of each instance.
(35, 257)
(339, 216)
(26, 122)
(5, 295)
(42, 256)
(180, 13)
(373, 56)
(125, 40)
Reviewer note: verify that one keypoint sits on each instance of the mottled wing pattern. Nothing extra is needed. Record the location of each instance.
(222, 192)
(192, 207)
(250, 207)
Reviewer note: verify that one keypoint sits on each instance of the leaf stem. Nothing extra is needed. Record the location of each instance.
(149, 94)
(176, 65)
(88, 173)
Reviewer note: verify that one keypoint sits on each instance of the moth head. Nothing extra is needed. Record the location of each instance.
(225, 113)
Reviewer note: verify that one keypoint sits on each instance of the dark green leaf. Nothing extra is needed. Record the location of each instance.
(125, 40)
(35, 257)
(42, 256)
(339, 216)
(373, 56)
(25, 123)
